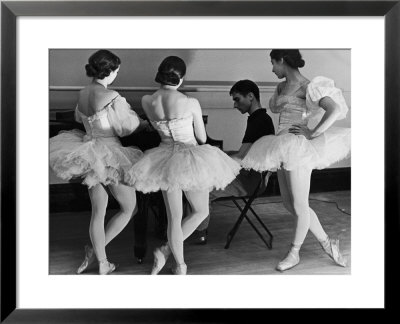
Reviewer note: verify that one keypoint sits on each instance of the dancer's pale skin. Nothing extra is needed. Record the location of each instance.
(295, 184)
(165, 104)
(126, 198)
(91, 99)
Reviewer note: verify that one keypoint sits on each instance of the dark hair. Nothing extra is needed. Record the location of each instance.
(244, 87)
(170, 71)
(292, 57)
(101, 64)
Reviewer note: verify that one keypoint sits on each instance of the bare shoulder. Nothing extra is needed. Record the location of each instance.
(105, 97)
(146, 98)
(146, 101)
(192, 100)
(92, 99)
(85, 92)
(110, 94)
(100, 94)
(192, 103)
(193, 106)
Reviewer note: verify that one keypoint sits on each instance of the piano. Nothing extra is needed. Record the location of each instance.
(64, 120)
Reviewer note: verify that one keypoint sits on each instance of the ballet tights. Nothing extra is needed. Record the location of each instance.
(179, 230)
(295, 187)
(99, 237)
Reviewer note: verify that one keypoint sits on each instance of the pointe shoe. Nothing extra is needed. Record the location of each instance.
(161, 255)
(331, 247)
(179, 269)
(106, 267)
(291, 260)
(90, 257)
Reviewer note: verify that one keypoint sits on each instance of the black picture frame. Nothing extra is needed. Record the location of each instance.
(10, 10)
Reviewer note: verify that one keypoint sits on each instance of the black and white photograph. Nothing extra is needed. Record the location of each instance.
(200, 161)
(187, 161)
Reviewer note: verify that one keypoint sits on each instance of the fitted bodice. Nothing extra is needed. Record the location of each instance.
(292, 109)
(115, 119)
(303, 105)
(176, 131)
(98, 124)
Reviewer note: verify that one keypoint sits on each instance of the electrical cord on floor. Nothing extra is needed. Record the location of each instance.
(343, 210)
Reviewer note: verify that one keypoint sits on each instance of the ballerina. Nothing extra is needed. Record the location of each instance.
(179, 164)
(97, 155)
(296, 150)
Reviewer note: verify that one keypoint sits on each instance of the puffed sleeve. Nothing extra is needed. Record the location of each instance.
(77, 115)
(122, 118)
(319, 88)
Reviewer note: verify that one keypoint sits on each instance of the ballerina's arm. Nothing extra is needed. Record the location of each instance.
(198, 124)
(239, 155)
(332, 112)
(77, 116)
(122, 118)
(322, 95)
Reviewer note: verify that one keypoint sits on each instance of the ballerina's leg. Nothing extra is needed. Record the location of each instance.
(173, 204)
(298, 181)
(315, 226)
(295, 186)
(179, 230)
(331, 247)
(99, 199)
(126, 198)
(199, 210)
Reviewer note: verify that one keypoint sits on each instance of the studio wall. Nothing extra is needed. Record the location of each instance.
(210, 74)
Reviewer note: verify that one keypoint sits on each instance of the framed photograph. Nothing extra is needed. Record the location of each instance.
(31, 29)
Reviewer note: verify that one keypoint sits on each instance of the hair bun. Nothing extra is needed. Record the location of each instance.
(301, 63)
(294, 59)
(168, 78)
(171, 70)
(101, 64)
(91, 71)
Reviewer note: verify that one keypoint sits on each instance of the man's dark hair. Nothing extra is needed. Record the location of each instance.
(244, 87)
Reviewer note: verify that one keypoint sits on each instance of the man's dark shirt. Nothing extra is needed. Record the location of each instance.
(259, 124)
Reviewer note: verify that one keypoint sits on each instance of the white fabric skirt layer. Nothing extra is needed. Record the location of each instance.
(185, 167)
(97, 160)
(289, 151)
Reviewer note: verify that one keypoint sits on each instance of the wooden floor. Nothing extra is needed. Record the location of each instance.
(247, 254)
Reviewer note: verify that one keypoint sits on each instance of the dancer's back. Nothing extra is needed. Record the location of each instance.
(168, 104)
(94, 98)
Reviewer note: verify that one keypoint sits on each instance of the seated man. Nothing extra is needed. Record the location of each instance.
(246, 97)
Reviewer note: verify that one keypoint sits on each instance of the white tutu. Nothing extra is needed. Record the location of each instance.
(182, 166)
(97, 156)
(99, 160)
(290, 151)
